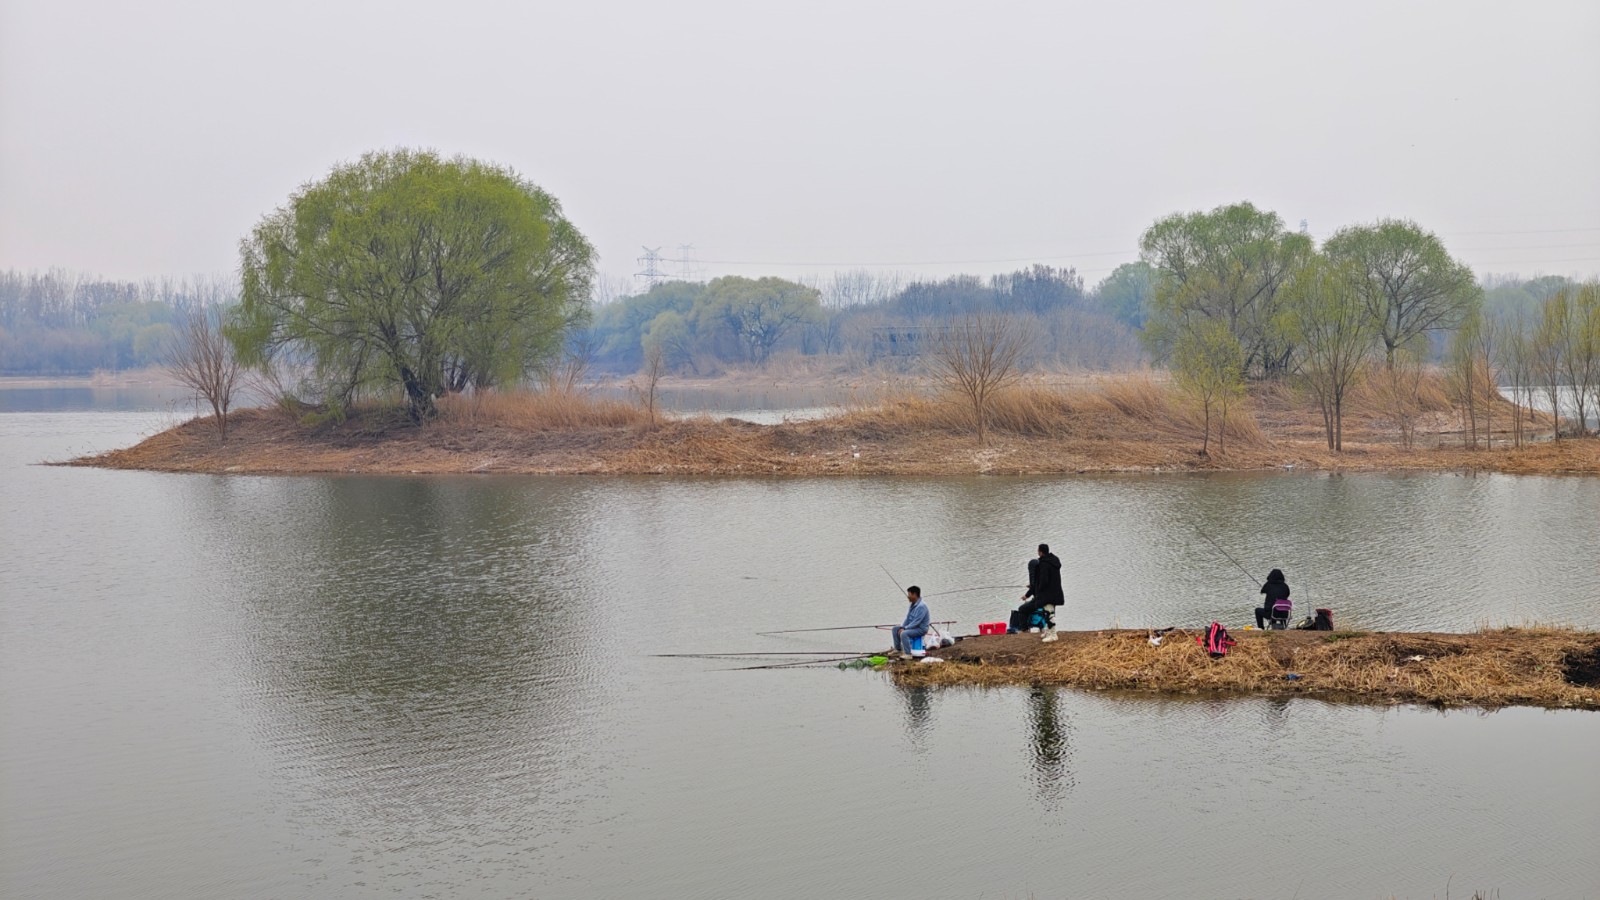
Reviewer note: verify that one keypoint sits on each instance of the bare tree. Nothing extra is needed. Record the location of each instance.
(650, 373)
(1328, 319)
(1399, 382)
(1516, 361)
(1580, 346)
(843, 290)
(1474, 356)
(202, 358)
(976, 358)
(1549, 347)
(1487, 348)
(571, 371)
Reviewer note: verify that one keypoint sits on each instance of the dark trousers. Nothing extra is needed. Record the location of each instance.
(1265, 614)
(1022, 616)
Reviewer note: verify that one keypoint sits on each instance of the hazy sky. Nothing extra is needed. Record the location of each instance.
(145, 138)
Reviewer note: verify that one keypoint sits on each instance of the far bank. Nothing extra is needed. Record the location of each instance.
(1132, 425)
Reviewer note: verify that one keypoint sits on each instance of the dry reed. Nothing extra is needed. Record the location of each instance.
(535, 410)
(1135, 408)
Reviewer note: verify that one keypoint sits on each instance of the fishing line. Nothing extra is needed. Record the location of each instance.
(1230, 558)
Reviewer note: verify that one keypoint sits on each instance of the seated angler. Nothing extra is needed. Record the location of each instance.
(1275, 608)
(908, 634)
(1043, 596)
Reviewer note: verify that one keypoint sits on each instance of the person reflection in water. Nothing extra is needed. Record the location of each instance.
(1050, 745)
(919, 709)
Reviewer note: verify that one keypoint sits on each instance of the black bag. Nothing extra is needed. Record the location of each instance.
(1324, 620)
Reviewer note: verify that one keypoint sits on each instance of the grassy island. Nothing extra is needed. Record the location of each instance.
(1543, 667)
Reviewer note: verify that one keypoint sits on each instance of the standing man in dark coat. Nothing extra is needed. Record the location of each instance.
(1044, 589)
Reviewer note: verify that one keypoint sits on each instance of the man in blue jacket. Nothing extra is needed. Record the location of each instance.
(908, 634)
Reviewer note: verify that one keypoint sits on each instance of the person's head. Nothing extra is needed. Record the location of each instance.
(1043, 549)
(1275, 576)
(913, 593)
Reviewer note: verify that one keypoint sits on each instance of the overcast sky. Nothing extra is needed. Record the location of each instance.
(146, 138)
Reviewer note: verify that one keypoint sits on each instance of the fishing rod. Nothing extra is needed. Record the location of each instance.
(891, 577)
(805, 662)
(840, 628)
(1230, 558)
(752, 653)
(837, 628)
(987, 587)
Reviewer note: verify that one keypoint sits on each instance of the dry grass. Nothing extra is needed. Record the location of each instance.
(1136, 408)
(1549, 667)
(536, 410)
(1125, 424)
(1433, 396)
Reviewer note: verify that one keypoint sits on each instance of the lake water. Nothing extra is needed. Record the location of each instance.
(441, 687)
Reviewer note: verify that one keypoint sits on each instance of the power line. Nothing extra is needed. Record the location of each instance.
(1132, 252)
(651, 273)
(1129, 252)
(935, 262)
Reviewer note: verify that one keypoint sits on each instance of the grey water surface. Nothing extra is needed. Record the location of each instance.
(441, 687)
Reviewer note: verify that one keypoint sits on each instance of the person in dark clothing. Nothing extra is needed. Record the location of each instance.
(1044, 593)
(1276, 603)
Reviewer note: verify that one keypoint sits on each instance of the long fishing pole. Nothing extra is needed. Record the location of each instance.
(804, 662)
(836, 628)
(1230, 558)
(839, 628)
(891, 577)
(754, 655)
(987, 587)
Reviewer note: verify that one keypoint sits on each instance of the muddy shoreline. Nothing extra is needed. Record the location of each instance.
(271, 442)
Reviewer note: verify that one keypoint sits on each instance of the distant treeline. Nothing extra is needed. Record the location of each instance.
(701, 328)
(62, 323)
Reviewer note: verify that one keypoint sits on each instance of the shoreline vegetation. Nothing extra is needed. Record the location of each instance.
(1548, 667)
(893, 425)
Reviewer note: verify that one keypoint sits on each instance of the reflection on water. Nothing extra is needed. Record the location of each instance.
(86, 397)
(919, 713)
(1052, 748)
(306, 687)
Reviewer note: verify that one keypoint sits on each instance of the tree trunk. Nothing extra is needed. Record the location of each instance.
(1338, 424)
(418, 397)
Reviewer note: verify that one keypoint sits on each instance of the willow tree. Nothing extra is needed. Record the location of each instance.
(412, 272)
(757, 313)
(1228, 265)
(1408, 281)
